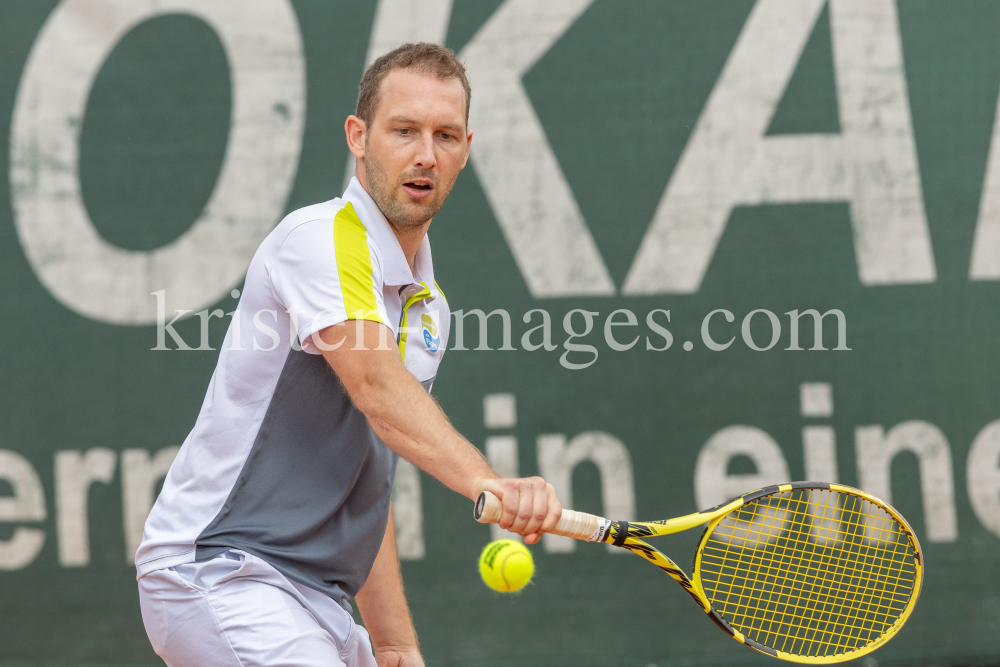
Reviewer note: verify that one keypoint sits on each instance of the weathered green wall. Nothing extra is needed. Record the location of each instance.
(617, 97)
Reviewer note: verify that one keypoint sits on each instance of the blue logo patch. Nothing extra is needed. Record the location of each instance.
(429, 328)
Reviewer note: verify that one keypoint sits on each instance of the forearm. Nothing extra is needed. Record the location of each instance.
(402, 414)
(408, 420)
(382, 602)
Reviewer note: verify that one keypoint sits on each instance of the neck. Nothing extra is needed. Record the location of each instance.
(408, 236)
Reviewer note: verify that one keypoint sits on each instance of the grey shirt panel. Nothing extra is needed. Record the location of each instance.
(313, 497)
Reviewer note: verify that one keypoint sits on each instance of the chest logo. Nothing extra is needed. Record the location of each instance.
(430, 332)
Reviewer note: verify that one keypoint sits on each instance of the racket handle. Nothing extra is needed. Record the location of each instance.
(578, 525)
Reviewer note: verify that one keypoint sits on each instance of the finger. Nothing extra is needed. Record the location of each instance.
(554, 510)
(539, 506)
(524, 500)
(510, 502)
(533, 538)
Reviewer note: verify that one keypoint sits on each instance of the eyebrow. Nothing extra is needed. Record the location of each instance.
(410, 121)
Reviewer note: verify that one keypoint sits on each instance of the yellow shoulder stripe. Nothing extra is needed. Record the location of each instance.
(354, 265)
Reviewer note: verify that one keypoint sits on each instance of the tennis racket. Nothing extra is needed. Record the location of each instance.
(807, 572)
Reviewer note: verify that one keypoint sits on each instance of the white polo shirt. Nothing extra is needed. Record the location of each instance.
(280, 462)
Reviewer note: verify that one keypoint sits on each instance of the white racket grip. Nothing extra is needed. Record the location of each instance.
(578, 525)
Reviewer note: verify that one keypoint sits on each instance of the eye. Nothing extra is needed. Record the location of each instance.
(446, 136)
(404, 131)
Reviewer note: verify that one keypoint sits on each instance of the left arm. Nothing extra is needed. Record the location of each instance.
(383, 608)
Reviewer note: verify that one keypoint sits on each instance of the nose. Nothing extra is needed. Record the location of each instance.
(425, 157)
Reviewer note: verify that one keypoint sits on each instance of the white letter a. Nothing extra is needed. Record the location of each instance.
(728, 160)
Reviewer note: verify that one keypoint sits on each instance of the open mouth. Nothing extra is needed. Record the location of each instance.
(418, 189)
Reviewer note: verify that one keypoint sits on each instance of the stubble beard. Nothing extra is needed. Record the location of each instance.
(382, 191)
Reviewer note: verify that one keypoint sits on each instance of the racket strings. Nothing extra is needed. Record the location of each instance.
(784, 584)
(789, 581)
(810, 572)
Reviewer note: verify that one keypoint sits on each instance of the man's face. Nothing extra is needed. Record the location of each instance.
(415, 145)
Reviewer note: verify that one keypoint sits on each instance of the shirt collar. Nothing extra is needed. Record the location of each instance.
(395, 269)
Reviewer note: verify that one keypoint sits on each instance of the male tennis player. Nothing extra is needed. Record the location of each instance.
(276, 511)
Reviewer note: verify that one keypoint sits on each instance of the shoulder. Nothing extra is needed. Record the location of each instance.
(320, 229)
(301, 242)
(314, 218)
(321, 239)
(336, 222)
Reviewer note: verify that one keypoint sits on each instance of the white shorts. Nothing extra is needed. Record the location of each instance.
(236, 610)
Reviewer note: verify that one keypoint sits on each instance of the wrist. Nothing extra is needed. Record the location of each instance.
(398, 656)
(410, 650)
(397, 647)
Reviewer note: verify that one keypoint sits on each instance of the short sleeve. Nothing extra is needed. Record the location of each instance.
(327, 272)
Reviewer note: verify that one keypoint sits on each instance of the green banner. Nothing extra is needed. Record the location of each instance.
(731, 243)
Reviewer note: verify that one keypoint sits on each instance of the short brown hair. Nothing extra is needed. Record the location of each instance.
(428, 58)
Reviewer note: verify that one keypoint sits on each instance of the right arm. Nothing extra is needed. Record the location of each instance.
(409, 421)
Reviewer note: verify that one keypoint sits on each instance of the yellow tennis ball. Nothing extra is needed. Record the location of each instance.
(506, 565)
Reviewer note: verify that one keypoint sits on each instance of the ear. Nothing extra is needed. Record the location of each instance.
(468, 147)
(355, 130)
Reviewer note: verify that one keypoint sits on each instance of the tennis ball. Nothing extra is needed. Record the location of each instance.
(506, 565)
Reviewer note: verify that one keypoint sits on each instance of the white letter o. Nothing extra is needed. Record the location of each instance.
(107, 283)
(775, 330)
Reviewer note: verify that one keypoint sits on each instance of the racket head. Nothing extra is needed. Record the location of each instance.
(810, 572)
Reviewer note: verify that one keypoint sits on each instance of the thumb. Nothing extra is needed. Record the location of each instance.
(493, 485)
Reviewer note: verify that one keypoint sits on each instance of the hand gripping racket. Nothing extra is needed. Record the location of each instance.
(807, 572)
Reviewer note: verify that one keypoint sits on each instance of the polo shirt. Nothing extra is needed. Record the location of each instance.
(280, 463)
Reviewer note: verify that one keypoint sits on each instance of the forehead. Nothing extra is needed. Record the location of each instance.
(422, 97)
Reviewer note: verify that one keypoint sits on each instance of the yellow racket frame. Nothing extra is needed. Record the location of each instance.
(628, 535)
